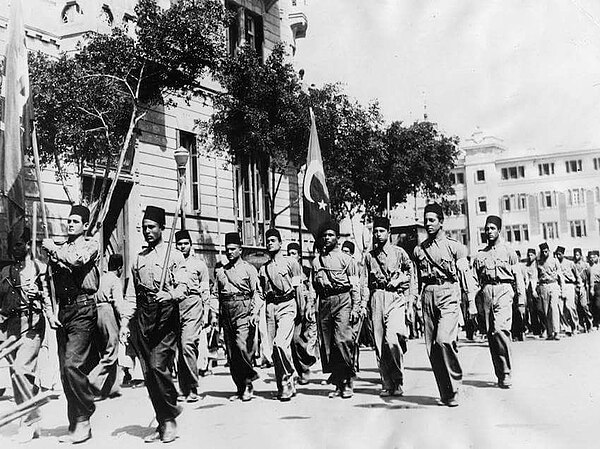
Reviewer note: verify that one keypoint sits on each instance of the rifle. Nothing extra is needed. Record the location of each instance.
(355, 343)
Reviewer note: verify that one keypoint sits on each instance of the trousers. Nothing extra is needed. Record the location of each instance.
(498, 312)
(337, 342)
(280, 325)
(155, 342)
(190, 317)
(550, 300)
(240, 337)
(303, 353)
(583, 308)
(390, 335)
(441, 314)
(569, 313)
(74, 339)
(103, 378)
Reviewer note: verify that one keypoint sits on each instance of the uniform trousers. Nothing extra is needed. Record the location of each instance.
(569, 308)
(240, 336)
(337, 342)
(30, 328)
(74, 337)
(441, 310)
(302, 343)
(280, 324)
(535, 317)
(155, 341)
(550, 300)
(103, 377)
(190, 317)
(595, 304)
(390, 334)
(583, 308)
(498, 312)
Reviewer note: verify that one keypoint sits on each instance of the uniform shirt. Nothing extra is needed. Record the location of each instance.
(582, 268)
(16, 280)
(280, 275)
(549, 271)
(198, 279)
(570, 273)
(451, 255)
(499, 263)
(111, 288)
(146, 271)
(335, 270)
(237, 278)
(530, 274)
(74, 267)
(594, 275)
(390, 263)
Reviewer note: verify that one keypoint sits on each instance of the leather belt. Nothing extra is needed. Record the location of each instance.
(278, 299)
(544, 282)
(80, 300)
(498, 282)
(437, 281)
(233, 297)
(335, 291)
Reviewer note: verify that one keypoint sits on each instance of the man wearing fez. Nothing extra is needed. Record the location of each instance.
(594, 286)
(193, 312)
(336, 282)
(572, 282)
(77, 279)
(551, 283)
(581, 293)
(535, 312)
(281, 283)
(23, 299)
(497, 269)
(305, 327)
(104, 377)
(392, 283)
(240, 304)
(444, 269)
(156, 320)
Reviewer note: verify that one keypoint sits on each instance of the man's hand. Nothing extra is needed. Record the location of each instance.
(356, 315)
(309, 313)
(255, 317)
(53, 320)
(49, 245)
(164, 296)
(33, 291)
(472, 310)
(522, 309)
(124, 333)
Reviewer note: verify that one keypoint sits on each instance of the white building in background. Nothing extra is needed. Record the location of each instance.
(551, 196)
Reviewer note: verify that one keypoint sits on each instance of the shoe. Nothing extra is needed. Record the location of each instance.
(506, 382)
(347, 392)
(154, 437)
(80, 434)
(449, 402)
(181, 398)
(27, 433)
(169, 433)
(385, 393)
(336, 392)
(287, 391)
(248, 393)
(304, 379)
(398, 391)
(99, 398)
(192, 397)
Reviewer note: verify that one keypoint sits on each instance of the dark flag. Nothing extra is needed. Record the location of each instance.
(315, 194)
(16, 121)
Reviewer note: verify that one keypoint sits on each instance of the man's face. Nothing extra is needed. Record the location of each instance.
(560, 256)
(273, 244)
(185, 246)
(152, 231)
(233, 251)
(380, 236)
(293, 253)
(20, 249)
(545, 253)
(76, 226)
(346, 250)
(531, 257)
(330, 239)
(492, 232)
(594, 258)
(432, 223)
(577, 256)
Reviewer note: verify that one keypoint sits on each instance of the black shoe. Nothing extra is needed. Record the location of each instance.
(248, 393)
(169, 433)
(155, 436)
(80, 434)
(505, 382)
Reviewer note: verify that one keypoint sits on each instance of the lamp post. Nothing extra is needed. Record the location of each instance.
(181, 156)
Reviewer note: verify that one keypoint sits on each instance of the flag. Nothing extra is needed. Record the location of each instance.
(315, 196)
(16, 121)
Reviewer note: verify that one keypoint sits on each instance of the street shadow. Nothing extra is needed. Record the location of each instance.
(371, 380)
(208, 406)
(294, 417)
(473, 345)
(479, 383)
(219, 394)
(56, 431)
(417, 368)
(134, 430)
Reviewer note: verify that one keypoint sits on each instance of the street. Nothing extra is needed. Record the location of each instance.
(553, 404)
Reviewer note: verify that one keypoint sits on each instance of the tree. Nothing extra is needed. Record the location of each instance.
(89, 104)
(261, 115)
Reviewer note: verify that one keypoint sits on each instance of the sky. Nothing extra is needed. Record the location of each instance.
(525, 71)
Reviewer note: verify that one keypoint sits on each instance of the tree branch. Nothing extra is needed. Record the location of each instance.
(102, 75)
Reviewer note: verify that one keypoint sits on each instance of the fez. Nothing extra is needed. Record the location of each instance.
(495, 220)
(232, 238)
(381, 222)
(577, 251)
(292, 246)
(82, 211)
(348, 244)
(182, 235)
(594, 253)
(156, 214)
(329, 226)
(560, 249)
(273, 233)
(531, 251)
(543, 246)
(435, 208)
(115, 262)
(518, 253)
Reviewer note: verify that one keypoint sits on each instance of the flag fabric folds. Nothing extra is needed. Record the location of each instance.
(315, 196)
(17, 120)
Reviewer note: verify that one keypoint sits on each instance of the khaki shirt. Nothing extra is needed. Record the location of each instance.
(390, 264)
(499, 263)
(594, 275)
(198, 279)
(451, 255)
(570, 272)
(280, 276)
(335, 270)
(549, 271)
(146, 271)
(530, 276)
(19, 278)
(582, 268)
(74, 267)
(238, 278)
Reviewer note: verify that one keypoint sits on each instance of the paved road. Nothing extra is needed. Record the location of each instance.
(554, 403)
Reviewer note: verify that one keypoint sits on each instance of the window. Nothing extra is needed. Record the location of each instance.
(70, 12)
(188, 141)
(597, 194)
(482, 236)
(507, 203)
(480, 176)
(576, 197)
(106, 15)
(247, 28)
(573, 166)
(252, 200)
(548, 200)
(546, 169)
(597, 163)
(517, 233)
(460, 178)
(482, 205)
(513, 172)
(522, 201)
(459, 235)
(459, 207)
(550, 230)
(578, 228)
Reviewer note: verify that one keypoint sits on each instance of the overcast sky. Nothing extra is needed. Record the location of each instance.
(526, 71)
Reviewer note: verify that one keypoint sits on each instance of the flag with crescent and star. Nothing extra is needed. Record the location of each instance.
(315, 194)
(16, 135)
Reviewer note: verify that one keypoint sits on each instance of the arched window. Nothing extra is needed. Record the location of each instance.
(70, 12)
(106, 15)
